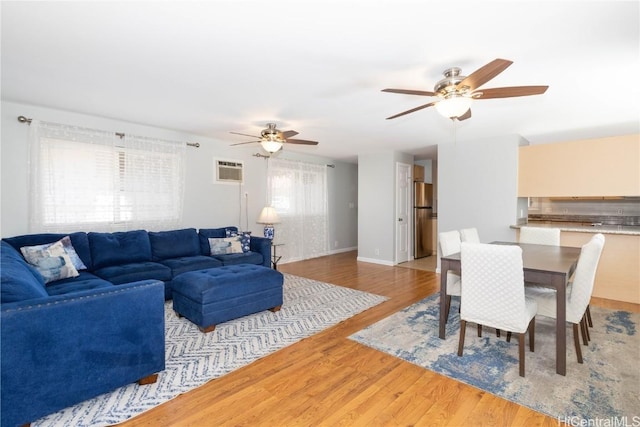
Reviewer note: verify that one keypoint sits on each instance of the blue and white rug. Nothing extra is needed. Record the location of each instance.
(606, 387)
(193, 358)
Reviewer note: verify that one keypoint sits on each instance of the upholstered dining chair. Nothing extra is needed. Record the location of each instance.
(469, 235)
(540, 236)
(578, 294)
(492, 293)
(545, 236)
(449, 242)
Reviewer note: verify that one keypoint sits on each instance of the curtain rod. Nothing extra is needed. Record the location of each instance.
(23, 119)
(266, 157)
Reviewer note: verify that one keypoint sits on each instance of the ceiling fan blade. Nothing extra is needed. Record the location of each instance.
(244, 134)
(289, 133)
(485, 73)
(509, 92)
(412, 110)
(301, 141)
(465, 116)
(248, 142)
(410, 92)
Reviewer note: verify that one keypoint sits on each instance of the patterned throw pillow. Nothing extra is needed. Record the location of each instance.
(245, 238)
(52, 262)
(68, 248)
(225, 245)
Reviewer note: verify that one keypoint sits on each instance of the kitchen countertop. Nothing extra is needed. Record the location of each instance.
(630, 230)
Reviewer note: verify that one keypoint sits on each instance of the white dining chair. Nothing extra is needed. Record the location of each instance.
(493, 293)
(449, 242)
(540, 236)
(469, 235)
(578, 294)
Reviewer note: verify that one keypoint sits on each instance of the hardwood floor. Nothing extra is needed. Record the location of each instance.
(329, 380)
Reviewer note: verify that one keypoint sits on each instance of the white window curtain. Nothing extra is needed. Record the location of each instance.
(91, 180)
(298, 192)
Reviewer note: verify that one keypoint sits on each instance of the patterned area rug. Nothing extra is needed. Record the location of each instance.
(193, 358)
(606, 387)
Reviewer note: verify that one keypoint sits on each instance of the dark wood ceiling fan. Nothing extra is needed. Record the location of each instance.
(272, 138)
(462, 90)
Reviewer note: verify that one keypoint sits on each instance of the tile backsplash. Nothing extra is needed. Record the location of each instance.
(616, 210)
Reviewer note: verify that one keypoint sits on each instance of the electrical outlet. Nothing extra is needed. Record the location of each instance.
(377, 251)
(335, 244)
(619, 211)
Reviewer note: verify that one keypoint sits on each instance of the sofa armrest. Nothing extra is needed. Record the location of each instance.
(262, 245)
(62, 350)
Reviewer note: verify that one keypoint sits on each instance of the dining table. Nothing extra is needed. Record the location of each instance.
(544, 265)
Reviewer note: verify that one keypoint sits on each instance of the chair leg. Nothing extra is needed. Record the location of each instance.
(521, 352)
(479, 330)
(583, 330)
(498, 333)
(576, 340)
(586, 327)
(448, 305)
(532, 334)
(508, 336)
(463, 328)
(589, 316)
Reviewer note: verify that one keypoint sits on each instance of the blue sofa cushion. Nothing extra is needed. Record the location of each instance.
(174, 244)
(121, 247)
(84, 281)
(18, 281)
(132, 272)
(79, 241)
(241, 258)
(184, 264)
(206, 233)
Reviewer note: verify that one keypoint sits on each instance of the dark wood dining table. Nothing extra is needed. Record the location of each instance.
(544, 265)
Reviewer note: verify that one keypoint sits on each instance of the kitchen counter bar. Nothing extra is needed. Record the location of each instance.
(581, 227)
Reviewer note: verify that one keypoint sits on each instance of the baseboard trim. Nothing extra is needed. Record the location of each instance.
(375, 261)
(339, 251)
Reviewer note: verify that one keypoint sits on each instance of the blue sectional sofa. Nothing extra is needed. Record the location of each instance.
(68, 340)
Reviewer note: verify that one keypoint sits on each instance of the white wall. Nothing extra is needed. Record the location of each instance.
(206, 204)
(478, 186)
(377, 204)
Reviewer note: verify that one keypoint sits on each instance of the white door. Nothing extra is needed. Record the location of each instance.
(403, 210)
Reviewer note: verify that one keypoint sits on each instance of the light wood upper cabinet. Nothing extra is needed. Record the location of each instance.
(593, 167)
(418, 173)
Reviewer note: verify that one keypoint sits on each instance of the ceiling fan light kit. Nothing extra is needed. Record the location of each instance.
(271, 145)
(455, 92)
(454, 106)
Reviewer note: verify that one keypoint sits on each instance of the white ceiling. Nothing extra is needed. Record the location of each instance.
(318, 67)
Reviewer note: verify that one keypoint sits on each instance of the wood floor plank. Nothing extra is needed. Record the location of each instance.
(329, 380)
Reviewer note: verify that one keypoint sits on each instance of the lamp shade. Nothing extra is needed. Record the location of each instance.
(271, 145)
(268, 215)
(454, 106)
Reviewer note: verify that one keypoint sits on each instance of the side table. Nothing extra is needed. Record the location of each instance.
(275, 258)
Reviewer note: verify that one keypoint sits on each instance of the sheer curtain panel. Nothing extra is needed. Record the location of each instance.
(91, 180)
(298, 192)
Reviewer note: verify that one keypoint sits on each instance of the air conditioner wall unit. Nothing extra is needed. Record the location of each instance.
(228, 171)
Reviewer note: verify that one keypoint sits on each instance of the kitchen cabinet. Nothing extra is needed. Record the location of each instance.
(602, 167)
(418, 173)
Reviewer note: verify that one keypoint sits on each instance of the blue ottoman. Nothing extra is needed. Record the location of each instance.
(216, 295)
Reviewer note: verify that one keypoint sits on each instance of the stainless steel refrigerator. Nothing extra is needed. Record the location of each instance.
(422, 214)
